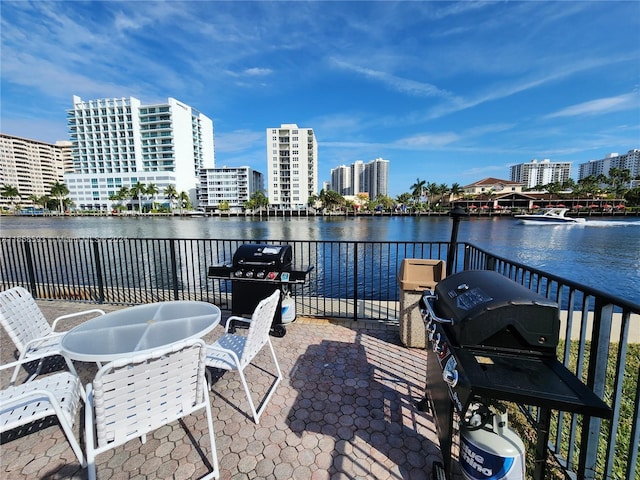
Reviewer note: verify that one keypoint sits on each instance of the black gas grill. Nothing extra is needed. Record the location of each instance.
(492, 338)
(258, 270)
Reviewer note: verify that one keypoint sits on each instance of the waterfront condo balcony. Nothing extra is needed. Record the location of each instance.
(346, 408)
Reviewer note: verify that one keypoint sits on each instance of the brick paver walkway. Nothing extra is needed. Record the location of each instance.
(345, 410)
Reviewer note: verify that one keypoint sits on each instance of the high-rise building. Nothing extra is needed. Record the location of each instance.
(234, 185)
(536, 173)
(32, 167)
(376, 175)
(629, 161)
(119, 142)
(292, 166)
(371, 178)
(341, 180)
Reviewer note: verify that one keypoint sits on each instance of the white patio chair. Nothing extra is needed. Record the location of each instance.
(57, 394)
(236, 352)
(28, 328)
(134, 396)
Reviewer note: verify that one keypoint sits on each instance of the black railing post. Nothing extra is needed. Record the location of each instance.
(596, 379)
(31, 274)
(456, 214)
(174, 268)
(98, 268)
(355, 281)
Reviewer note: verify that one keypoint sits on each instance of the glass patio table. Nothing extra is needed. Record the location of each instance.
(139, 329)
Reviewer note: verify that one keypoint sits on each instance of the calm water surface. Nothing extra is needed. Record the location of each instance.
(604, 254)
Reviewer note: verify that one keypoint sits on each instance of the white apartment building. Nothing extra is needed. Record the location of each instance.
(544, 172)
(371, 178)
(234, 185)
(32, 167)
(629, 161)
(341, 180)
(119, 142)
(376, 177)
(292, 166)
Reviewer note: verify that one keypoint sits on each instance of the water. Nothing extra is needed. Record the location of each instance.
(604, 254)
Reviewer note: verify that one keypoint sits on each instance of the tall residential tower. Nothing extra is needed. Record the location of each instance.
(537, 173)
(32, 167)
(371, 178)
(628, 161)
(119, 142)
(292, 166)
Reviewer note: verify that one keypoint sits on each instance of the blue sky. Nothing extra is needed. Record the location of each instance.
(448, 92)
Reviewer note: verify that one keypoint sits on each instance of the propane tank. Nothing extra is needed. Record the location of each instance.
(492, 452)
(288, 308)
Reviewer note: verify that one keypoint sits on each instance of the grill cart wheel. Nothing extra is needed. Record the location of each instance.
(278, 331)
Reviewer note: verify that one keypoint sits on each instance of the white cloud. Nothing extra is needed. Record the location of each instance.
(627, 101)
(404, 85)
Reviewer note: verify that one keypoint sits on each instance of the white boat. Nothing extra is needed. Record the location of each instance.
(549, 215)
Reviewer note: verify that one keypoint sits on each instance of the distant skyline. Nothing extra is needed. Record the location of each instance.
(448, 92)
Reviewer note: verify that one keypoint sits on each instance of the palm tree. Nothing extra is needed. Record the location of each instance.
(171, 193)
(455, 191)
(152, 189)
(184, 201)
(59, 191)
(10, 192)
(38, 201)
(417, 189)
(137, 191)
(432, 190)
(121, 195)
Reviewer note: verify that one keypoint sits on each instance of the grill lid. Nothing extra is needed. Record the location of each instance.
(490, 310)
(263, 255)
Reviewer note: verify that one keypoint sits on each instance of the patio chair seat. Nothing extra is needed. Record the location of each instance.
(235, 352)
(57, 394)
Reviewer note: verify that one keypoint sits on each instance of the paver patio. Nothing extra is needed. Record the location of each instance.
(345, 410)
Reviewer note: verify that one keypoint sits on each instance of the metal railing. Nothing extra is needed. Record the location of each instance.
(357, 280)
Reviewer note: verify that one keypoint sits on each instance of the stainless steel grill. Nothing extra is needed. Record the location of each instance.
(258, 270)
(491, 338)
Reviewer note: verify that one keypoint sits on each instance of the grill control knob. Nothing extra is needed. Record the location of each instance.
(450, 377)
(260, 274)
(436, 342)
(238, 273)
(430, 329)
(249, 274)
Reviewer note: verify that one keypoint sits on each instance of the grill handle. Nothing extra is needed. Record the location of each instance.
(430, 313)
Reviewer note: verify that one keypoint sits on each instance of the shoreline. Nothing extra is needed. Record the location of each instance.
(309, 213)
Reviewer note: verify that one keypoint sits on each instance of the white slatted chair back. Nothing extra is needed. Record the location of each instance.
(235, 352)
(261, 321)
(22, 318)
(28, 328)
(57, 394)
(135, 396)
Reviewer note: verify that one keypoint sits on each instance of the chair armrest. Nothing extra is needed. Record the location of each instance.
(16, 364)
(36, 341)
(76, 314)
(235, 319)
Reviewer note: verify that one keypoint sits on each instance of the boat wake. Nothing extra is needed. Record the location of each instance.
(608, 223)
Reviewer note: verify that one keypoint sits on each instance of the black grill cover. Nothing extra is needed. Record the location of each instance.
(490, 310)
(276, 257)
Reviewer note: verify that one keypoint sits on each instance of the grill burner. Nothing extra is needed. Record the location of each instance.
(492, 338)
(258, 270)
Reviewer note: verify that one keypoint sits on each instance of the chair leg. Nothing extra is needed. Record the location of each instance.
(212, 441)
(272, 389)
(256, 416)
